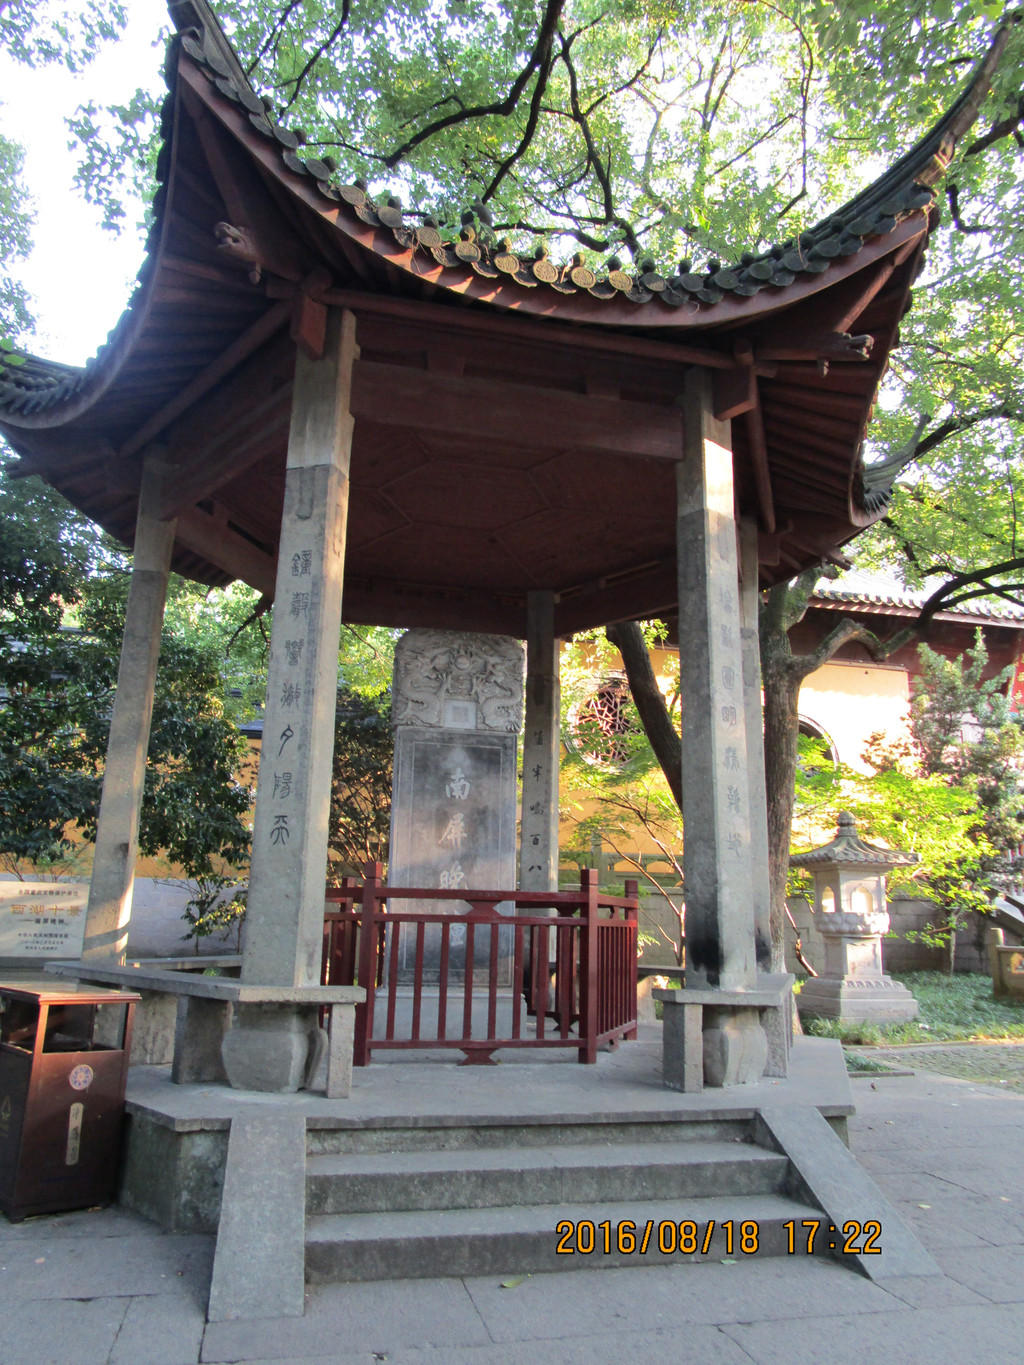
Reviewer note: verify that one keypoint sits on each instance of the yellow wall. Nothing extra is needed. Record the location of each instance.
(851, 700)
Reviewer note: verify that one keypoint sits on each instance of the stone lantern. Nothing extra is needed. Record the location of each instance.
(851, 914)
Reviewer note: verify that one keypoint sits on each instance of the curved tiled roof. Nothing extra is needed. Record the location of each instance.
(859, 589)
(875, 212)
(537, 401)
(688, 296)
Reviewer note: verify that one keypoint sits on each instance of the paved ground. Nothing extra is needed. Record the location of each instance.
(999, 1064)
(106, 1286)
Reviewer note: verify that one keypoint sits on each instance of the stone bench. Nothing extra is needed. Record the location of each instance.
(200, 1010)
(719, 1037)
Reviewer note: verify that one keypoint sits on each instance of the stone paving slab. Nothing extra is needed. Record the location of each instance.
(970, 1336)
(91, 1223)
(626, 1083)
(957, 1221)
(661, 1296)
(992, 1272)
(701, 1344)
(161, 1329)
(80, 1268)
(383, 1316)
(57, 1331)
(930, 1139)
(930, 1291)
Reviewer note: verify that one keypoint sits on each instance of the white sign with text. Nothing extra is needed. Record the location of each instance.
(42, 919)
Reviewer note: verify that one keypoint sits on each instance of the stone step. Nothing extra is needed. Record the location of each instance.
(353, 1184)
(501, 1241)
(427, 1134)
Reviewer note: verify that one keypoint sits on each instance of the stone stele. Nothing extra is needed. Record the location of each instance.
(458, 707)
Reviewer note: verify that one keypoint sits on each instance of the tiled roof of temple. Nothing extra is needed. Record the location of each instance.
(888, 597)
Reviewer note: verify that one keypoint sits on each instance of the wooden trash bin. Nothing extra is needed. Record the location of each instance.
(63, 1067)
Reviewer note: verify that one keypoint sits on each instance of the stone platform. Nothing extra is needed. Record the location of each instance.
(178, 1134)
(430, 1168)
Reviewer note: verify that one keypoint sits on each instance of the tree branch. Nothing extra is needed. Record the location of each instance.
(601, 172)
(273, 38)
(538, 58)
(953, 199)
(317, 53)
(584, 238)
(958, 588)
(1004, 128)
(664, 738)
(528, 133)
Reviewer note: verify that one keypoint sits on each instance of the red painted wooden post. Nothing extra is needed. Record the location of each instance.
(518, 931)
(467, 982)
(632, 890)
(417, 982)
(442, 981)
(392, 995)
(367, 963)
(588, 968)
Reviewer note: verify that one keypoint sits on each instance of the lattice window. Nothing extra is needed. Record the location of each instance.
(600, 726)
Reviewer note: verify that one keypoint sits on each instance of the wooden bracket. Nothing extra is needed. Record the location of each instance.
(309, 325)
(734, 392)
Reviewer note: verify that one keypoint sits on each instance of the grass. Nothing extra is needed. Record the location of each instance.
(857, 1064)
(952, 1009)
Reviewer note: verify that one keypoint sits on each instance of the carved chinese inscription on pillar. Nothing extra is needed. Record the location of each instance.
(288, 702)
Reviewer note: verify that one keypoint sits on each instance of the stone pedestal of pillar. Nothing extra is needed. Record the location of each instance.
(854, 986)
(735, 1049)
(717, 1037)
(274, 1048)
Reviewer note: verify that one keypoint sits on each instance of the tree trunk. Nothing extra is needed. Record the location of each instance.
(781, 729)
(662, 734)
(949, 956)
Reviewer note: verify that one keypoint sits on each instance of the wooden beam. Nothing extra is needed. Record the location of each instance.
(758, 448)
(383, 602)
(511, 328)
(235, 450)
(240, 349)
(621, 599)
(244, 195)
(210, 537)
(200, 270)
(393, 395)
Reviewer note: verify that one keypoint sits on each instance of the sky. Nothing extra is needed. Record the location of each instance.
(79, 276)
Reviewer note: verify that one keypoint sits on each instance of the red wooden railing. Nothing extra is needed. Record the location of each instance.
(559, 972)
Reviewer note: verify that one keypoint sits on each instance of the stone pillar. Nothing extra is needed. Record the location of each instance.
(117, 832)
(716, 843)
(751, 651)
(538, 849)
(268, 1047)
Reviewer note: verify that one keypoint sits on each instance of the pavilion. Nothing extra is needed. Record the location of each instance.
(371, 419)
